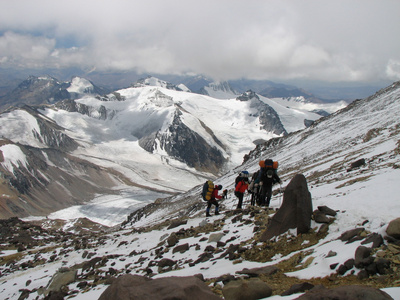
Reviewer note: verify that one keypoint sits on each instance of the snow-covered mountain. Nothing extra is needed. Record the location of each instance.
(172, 237)
(153, 81)
(219, 90)
(153, 136)
(48, 90)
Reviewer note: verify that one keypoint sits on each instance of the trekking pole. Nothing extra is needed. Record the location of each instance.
(281, 196)
(248, 197)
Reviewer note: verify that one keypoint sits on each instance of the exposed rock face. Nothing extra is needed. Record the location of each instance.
(269, 118)
(44, 90)
(186, 145)
(350, 292)
(37, 90)
(357, 164)
(295, 212)
(132, 287)
(248, 96)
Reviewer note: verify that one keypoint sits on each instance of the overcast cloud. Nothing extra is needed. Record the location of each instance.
(340, 40)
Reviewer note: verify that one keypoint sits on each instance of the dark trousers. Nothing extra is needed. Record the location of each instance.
(255, 196)
(266, 194)
(240, 197)
(211, 202)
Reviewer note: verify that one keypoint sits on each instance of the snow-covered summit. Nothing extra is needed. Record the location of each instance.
(153, 81)
(219, 90)
(79, 85)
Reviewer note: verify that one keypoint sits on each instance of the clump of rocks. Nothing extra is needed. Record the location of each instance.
(373, 256)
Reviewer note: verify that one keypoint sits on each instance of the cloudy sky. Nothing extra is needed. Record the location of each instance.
(336, 40)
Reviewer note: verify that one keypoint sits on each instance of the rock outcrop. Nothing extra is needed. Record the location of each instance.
(131, 287)
(295, 212)
(350, 292)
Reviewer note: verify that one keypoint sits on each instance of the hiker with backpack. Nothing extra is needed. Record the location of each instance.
(268, 176)
(210, 194)
(241, 188)
(253, 189)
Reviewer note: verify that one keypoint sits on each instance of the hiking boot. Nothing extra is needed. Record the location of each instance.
(208, 215)
(216, 213)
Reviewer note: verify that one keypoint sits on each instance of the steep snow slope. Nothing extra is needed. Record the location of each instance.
(219, 90)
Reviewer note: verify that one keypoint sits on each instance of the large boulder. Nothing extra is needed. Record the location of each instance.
(295, 212)
(255, 272)
(251, 289)
(135, 287)
(349, 292)
(64, 276)
(393, 228)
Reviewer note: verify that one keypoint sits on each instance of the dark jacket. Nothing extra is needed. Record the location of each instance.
(262, 176)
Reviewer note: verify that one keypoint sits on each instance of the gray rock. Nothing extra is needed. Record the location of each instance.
(349, 292)
(251, 289)
(172, 240)
(176, 223)
(134, 287)
(327, 211)
(181, 248)
(295, 212)
(298, 288)
(362, 257)
(375, 238)
(393, 228)
(166, 262)
(356, 164)
(215, 237)
(320, 217)
(254, 272)
(348, 235)
(331, 254)
(61, 278)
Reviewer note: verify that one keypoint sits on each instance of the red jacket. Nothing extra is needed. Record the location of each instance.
(241, 187)
(215, 194)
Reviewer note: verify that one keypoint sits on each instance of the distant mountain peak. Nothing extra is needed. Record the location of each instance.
(248, 95)
(219, 90)
(154, 81)
(80, 85)
(48, 90)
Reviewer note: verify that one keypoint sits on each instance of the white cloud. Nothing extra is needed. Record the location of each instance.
(25, 49)
(393, 69)
(334, 41)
